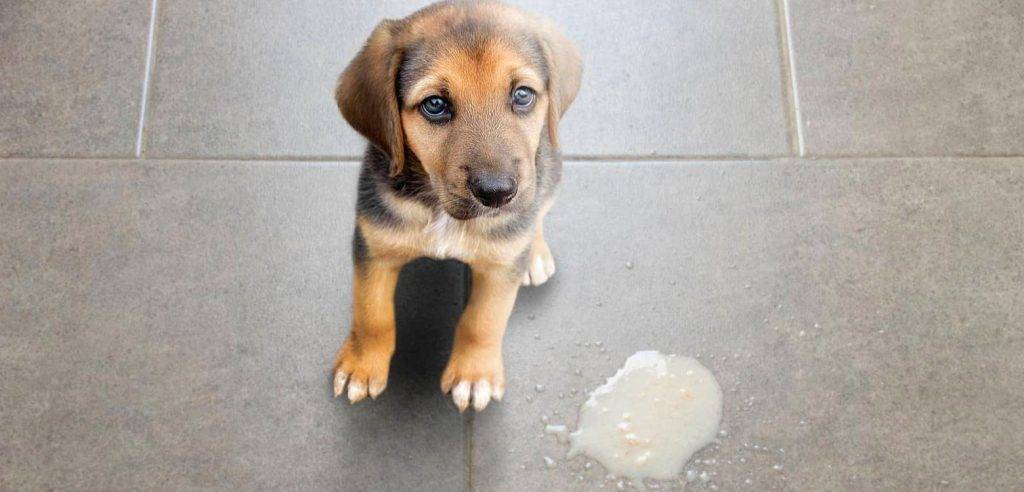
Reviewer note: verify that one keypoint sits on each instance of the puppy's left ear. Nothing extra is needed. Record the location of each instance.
(367, 96)
(565, 68)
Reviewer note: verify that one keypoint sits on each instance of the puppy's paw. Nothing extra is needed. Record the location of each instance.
(364, 370)
(474, 376)
(541, 264)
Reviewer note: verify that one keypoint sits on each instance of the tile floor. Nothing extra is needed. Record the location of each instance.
(832, 199)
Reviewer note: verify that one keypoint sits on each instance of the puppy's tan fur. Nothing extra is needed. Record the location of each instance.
(414, 199)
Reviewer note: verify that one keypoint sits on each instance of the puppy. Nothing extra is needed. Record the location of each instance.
(460, 103)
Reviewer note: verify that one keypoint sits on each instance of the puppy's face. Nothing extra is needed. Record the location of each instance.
(474, 115)
(470, 90)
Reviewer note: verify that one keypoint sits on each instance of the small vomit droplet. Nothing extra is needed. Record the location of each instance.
(559, 431)
(704, 477)
(548, 462)
(777, 467)
(536, 336)
(629, 265)
(691, 475)
(539, 388)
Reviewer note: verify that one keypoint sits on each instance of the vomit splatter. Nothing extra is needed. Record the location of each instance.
(650, 417)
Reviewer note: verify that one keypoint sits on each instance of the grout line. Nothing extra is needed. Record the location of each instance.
(793, 113)
(145, 79)
(670, 157)
(596, 159)
(266, 158)
(468, 447)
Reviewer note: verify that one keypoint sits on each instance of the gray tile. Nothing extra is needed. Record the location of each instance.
(173, 325)
(248, 79)
(72, 76)
(863, 316)
(916, 77)
(674, 78)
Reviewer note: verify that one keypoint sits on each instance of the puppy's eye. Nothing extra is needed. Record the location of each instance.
(523, 98)
(436, 109)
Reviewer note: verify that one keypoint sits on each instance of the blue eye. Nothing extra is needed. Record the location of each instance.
(436, 109)
(523, 98)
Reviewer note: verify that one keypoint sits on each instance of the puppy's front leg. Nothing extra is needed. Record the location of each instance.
(364, 358)
(475, 371)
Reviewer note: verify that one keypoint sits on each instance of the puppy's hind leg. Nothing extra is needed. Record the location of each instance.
(540, 265)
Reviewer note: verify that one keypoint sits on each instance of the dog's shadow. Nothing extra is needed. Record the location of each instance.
(428, 302)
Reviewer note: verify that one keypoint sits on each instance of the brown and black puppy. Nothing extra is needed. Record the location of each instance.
(460, 103)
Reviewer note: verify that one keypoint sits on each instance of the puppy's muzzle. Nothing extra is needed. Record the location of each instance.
(493, 189)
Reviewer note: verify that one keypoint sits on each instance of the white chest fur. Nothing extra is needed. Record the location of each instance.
(445, 237)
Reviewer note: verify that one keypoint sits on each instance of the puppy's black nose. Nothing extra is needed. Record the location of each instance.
(493, 190)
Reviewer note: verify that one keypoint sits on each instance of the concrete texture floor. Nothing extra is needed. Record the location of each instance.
(822, 200)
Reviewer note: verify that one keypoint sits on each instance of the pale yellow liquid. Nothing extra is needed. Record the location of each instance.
(650, 417)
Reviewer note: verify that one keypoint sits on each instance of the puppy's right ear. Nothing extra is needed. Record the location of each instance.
(367, 96)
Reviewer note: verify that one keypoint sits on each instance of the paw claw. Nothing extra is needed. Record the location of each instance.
(460, 395)
(339, 383)
(376, 388)
(356, 392)
(481, 395)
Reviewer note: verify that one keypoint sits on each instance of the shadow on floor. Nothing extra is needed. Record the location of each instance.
(428, 302)
(379, 436)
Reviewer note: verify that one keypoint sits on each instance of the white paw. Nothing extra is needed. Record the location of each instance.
(541, 266)
(479, 394)
(357, 389)
(365, 373)
(474, 376)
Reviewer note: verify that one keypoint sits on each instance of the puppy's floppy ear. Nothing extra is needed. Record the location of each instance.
(367, 96)
(565, 68)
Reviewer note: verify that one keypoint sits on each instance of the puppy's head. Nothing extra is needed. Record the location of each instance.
(470, 90)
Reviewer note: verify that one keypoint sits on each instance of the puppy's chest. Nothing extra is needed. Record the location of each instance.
(444, 237)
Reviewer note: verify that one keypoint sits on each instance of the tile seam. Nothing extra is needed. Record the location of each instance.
(147, 76)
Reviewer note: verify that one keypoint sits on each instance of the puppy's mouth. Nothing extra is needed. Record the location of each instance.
(462, 208)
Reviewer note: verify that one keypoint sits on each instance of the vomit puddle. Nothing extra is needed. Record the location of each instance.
(650, 417)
